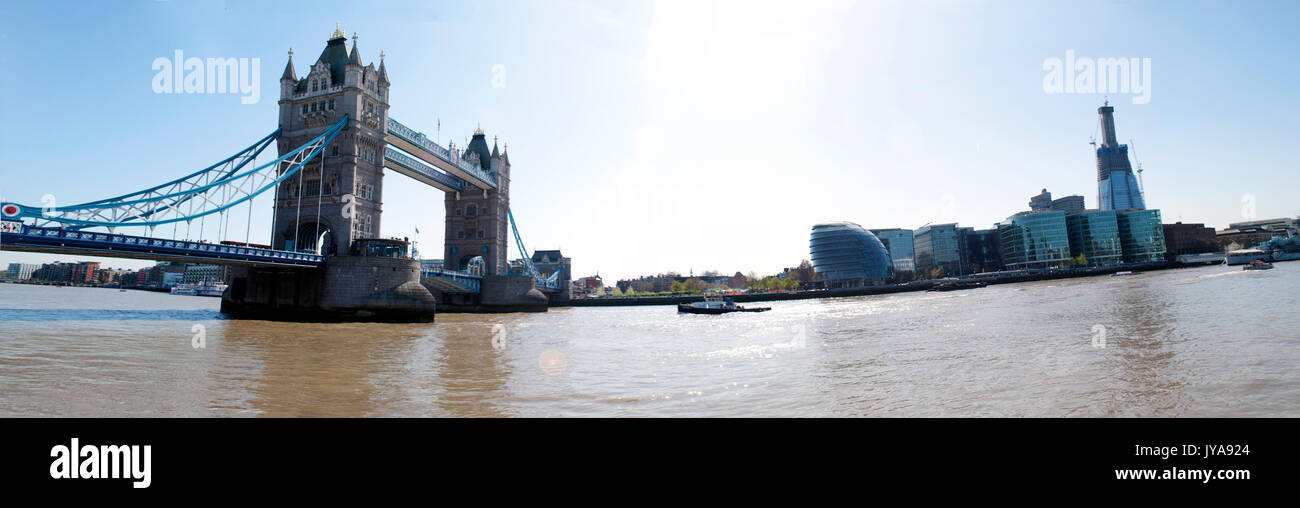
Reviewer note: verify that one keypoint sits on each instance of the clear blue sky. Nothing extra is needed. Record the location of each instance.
(656, 136)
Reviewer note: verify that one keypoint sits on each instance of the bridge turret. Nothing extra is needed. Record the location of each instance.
(348, 189)
(289, 79)
(477, 220)
(353, 70)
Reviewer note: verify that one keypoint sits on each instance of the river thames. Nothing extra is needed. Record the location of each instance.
(1208, 341)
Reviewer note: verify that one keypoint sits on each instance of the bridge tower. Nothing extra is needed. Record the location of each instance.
(338, 197)
(477, 220)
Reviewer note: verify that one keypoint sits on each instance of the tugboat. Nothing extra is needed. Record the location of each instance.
(716, 305)
(955, 285)
(1258, 265)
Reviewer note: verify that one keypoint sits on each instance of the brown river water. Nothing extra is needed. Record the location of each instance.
(1209, 341)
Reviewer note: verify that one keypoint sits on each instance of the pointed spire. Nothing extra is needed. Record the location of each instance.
(355, 58)
(505, 154)
(289, 74)
(495, 152)
(383, 73)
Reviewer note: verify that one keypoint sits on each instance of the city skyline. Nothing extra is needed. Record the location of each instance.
(678, 118)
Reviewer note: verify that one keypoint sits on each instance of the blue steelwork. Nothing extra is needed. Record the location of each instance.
(471, 283)
(118, 212)
(419, 140)
(552, 282)
(17, 236)
(235, 162)
(452, 183)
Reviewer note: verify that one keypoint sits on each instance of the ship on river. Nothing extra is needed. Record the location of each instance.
(206, 288)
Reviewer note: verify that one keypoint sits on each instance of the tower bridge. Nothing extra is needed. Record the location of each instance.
(326, 258)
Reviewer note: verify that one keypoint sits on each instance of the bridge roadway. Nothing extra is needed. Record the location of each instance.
(16, 236)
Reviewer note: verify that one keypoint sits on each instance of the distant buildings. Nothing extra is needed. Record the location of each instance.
(1141, 236)
(981, 250)
(1251, 233)
(196, 274)
(20, 271)
(664, 282)
(1044, 201)
(847, 255)
(1035, 239)
(1054, 239)
(1188, 239)
(430, 264)
(898, 242)
(163, 274)
(937, 246)
(1094, 234)
(550, 261)
(586, 285)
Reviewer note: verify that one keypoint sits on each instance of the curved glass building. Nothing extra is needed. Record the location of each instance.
(1094, 234)
(1035, 240)
(1141, 236)
(844, 251)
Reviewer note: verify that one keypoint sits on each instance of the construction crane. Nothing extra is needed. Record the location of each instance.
(1142, 188)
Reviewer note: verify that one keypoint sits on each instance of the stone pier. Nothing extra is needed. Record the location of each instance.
(349, 288)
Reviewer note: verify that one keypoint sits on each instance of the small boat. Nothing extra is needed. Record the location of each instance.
(200, 289)
(1258, 265)
(1244, 256)
(1117, 274)
(716, 305)
(956, 285)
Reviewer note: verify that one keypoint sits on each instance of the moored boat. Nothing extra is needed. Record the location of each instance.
(956, 285)
(1258, 265)
(201, 289)
(716, 305)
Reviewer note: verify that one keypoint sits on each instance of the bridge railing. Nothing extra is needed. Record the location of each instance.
(469, 281)
(28, 235)
(418, 139)
(420, 167)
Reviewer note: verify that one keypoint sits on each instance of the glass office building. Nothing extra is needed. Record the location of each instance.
(982, 250)
(937, 246)
(1095, 235)
(1034, 240)
(898, 242)
(1141, 236)
(846, 253)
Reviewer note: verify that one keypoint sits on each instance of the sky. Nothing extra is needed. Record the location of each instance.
(648, 137)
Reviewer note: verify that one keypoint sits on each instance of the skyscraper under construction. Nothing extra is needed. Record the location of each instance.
(1117, 187)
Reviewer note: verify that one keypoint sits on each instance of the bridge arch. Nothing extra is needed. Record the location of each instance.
(472, 264)
(313, 234)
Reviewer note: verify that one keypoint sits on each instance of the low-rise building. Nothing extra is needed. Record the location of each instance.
(1189, 239)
